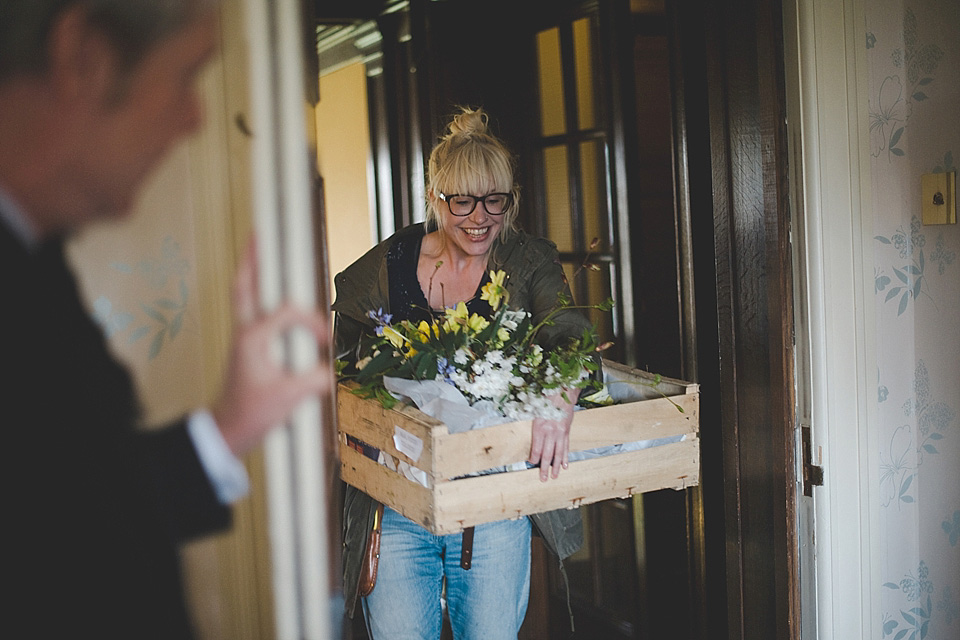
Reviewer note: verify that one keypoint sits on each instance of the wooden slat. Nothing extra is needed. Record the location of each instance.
(480, 449)
(409, 498)
(470, 501)
(465, 502)
(669, 386)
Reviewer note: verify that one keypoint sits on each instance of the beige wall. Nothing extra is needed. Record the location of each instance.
(343, 155)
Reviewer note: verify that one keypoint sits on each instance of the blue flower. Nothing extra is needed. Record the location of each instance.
(382, 319)
(445, 369)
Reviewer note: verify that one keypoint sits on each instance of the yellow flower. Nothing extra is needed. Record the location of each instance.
(494, 291)
(455, 317)
(600, 397)
(477, 324)
(423, 330)
(394, 336)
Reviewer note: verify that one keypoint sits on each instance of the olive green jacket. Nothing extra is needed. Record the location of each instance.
(535, 277)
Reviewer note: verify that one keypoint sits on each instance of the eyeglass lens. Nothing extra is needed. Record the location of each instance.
(463, 205)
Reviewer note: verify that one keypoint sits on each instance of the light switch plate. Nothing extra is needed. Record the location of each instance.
(939, 198)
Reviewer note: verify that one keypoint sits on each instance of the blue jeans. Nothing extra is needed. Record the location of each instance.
(486, 602)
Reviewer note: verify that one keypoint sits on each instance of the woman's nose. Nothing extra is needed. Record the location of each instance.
(480, 211)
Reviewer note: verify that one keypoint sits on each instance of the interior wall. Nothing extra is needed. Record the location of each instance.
(879, 87)
(913, 61)
(343, 156)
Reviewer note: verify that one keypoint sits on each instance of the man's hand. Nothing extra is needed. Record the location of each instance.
(259, 392)
(550, 440)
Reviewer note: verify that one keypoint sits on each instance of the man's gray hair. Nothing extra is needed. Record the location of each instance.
(134, 27)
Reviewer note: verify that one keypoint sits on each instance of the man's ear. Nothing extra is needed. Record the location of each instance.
(82, 63)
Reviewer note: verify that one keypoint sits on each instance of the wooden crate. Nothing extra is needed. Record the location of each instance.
(452, 502)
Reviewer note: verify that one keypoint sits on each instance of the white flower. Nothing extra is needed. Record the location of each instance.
(495, 357)
(512, 319)
(526, 406)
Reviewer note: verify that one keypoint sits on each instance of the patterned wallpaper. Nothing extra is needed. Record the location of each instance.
(913, 56)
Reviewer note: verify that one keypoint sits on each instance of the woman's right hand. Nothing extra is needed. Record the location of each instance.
(550, 439)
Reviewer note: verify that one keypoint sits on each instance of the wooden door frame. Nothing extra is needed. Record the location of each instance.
(730, 63)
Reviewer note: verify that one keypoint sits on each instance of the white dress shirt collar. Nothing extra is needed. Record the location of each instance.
(14, 217)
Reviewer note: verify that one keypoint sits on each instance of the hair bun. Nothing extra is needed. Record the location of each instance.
(468, 123)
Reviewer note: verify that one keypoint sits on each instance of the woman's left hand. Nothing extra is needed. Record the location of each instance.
(550, 440)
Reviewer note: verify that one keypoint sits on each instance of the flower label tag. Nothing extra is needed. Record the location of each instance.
(407, 443)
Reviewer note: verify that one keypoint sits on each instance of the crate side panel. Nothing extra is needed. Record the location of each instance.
(369, 421)
(392, 489)
(470, 501)
(481, 449)
(642, 379)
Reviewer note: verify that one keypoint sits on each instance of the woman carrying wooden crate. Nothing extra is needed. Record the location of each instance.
(421, 270)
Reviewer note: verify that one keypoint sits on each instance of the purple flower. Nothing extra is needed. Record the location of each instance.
(445, 369)
(382, 319)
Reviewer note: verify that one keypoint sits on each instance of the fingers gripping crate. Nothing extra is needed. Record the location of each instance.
(452, 499)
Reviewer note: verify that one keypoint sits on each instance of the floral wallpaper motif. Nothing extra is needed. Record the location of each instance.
(913, 59)
(893, 107)
(900, 461)
(912, 623)
(158, 316)
(909, 273)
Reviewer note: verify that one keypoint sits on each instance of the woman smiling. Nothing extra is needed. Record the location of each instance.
(483, 575)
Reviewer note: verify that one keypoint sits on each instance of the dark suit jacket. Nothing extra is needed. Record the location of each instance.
(93, 509)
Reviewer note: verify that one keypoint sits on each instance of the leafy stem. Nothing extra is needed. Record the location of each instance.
(436, 268)
(606, 305)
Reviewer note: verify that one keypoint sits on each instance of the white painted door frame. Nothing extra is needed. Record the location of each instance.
(836, 356)
(304, 605)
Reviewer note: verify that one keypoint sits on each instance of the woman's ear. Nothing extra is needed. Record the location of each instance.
(433, 201)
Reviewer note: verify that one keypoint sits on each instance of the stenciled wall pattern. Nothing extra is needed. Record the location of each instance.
(157, 317)
(913, 56)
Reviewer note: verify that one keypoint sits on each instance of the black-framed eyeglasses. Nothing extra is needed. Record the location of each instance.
(496, 204)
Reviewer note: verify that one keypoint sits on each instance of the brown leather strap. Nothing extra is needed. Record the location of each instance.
(371, 556)
(466, 548)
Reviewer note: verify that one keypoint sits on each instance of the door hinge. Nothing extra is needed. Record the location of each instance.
(812, 474)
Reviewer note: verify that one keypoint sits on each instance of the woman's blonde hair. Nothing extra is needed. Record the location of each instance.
(469, 160)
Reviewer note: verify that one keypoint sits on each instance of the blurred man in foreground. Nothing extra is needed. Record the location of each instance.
(93, 93)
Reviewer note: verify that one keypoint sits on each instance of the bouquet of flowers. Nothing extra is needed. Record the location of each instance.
(492, 361)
